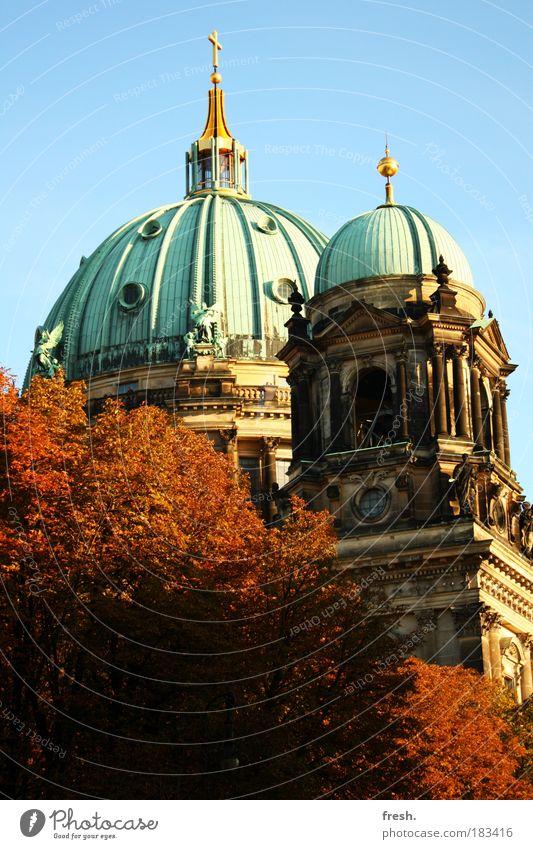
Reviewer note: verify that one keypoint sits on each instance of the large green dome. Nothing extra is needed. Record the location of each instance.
(391, 240)
(129, 303)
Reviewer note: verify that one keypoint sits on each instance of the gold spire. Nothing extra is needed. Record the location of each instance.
(215, 126)
(388, 167)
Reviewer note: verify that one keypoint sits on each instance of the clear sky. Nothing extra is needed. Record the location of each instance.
(101, 99)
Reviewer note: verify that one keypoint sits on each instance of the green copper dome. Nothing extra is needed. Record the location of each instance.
(133, 300)
(215, 269)
(389, 241)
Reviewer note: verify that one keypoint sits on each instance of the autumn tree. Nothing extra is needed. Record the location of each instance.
(140, 585)
(449, 738)
(160, 641)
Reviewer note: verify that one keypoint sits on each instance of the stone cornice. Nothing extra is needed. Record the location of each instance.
(506, 595)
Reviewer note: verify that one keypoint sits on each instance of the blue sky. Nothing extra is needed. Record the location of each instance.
(101, 99)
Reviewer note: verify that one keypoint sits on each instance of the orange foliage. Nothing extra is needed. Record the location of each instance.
(452, 738)
(141, 587)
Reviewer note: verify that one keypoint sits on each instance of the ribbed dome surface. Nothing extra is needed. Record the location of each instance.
(389, 240)
(215, 249)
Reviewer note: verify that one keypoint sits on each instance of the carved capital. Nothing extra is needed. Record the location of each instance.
(229, 436)
(490, 620)
(334, 365)
(426, 618)
(270, 443)
(458, 351)
(526, 640)
(303, 371)
(437, 349)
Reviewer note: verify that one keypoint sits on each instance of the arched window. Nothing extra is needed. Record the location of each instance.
(373, 409)
(513, 662)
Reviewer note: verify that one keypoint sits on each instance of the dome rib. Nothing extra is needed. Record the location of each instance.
(278, 219)
(160, 269)
(252, 267)
(415, 238)
(431, 239)
(199, 260)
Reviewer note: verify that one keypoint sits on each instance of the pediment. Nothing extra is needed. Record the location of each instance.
(491, 334)
(358, 317)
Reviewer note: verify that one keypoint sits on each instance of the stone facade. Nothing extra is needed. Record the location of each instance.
(400, 430)
(242, 406)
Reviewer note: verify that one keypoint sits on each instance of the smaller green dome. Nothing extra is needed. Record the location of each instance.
(391, 240)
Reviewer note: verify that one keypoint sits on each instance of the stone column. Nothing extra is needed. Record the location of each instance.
(527, 675)
(270, 444)
(335, 409)
(401, 377)
(490, 624)
(459, 394)
(439, 390)
(295, 417)
(305, 417)
(477, 415)
(504, 394)
(497, 423)
(229, 441)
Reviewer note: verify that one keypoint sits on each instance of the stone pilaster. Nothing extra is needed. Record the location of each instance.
(228, 438)
(497, 424)
(401, 378)
(459, 392)
(504, 394)
(477, 415)
(270, 445)
(490, 625)
(439, 390)
(527, 675)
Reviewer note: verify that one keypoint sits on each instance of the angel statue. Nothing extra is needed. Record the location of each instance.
(221, 344)
(189, 340)
(45, 343)
(526, 529)
(204, 319)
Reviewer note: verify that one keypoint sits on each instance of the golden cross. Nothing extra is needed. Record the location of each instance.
(213, 38)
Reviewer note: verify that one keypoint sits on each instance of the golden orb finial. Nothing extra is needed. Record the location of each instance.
(388, 167)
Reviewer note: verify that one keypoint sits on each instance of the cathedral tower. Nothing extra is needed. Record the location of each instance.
(399, 390)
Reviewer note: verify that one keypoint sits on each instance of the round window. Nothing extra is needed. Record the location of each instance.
(131, 296)
(267, 225)
(373, 503)
(150, 228)
(281, 289)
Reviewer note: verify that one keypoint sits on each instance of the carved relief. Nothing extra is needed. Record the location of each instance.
(498, 509)
(525, 523)
(464, 486)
